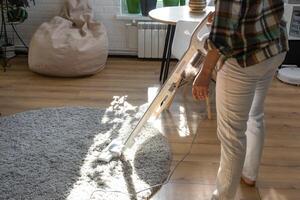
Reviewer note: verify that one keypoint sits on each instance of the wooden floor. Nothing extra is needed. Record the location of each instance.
(279, 177)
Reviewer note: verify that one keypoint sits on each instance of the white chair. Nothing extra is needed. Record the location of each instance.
(182, 37)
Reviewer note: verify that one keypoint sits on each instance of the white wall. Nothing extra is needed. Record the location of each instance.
(117, 30)
(104, 11)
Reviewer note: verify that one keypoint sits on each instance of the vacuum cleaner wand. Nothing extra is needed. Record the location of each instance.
(193, 58)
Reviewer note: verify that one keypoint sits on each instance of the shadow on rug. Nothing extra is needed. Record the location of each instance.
(53, 154)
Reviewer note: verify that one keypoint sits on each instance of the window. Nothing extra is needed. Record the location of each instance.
(124, 15)
(124, 6)
(159, 3)
(125, 11)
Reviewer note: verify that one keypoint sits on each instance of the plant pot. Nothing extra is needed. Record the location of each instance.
(133, 6)
(147, 6)
(170, 3)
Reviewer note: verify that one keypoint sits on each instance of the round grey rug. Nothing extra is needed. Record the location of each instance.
(53, 154)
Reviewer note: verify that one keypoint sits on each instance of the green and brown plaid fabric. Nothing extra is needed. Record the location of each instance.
(249, 30)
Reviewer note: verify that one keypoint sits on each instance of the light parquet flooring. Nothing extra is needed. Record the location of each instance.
(194, 179)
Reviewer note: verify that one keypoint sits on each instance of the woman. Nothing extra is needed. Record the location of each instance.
(247, 43)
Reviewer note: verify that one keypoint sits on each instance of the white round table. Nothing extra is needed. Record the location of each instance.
(170, 16)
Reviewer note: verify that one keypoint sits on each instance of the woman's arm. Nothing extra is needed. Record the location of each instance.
(202, 80)
(222, 43)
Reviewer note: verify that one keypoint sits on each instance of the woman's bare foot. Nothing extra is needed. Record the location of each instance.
(247, 181)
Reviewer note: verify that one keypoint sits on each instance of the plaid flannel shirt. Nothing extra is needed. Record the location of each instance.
(249, 30)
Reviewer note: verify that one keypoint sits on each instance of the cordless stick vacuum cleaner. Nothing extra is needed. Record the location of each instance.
(187, 67)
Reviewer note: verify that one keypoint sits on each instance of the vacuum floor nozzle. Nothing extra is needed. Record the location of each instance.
(113, 150)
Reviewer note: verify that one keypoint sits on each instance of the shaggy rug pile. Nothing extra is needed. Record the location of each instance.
(53, 154)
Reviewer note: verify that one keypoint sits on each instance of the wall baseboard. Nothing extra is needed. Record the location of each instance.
(122, 52)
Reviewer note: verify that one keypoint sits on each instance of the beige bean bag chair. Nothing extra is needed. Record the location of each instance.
(69, 45)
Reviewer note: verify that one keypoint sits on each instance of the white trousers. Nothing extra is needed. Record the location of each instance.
(240, 95)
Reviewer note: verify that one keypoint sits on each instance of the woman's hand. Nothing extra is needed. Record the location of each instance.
(210, 19)
(201, 83)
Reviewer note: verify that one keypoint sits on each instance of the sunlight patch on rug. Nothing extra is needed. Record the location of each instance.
(118, 179)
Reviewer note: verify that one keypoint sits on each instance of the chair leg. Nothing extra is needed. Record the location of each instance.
(208, 108)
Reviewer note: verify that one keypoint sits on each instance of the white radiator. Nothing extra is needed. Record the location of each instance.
(151, 39)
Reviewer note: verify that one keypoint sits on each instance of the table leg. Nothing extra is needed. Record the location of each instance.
(169, 52)
(162, 68)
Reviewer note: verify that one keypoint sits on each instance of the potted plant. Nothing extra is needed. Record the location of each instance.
(170, 3)
(133, 6)
(12, 11)
(147, 6)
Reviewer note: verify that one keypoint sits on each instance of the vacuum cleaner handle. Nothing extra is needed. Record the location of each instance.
(192, 56)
